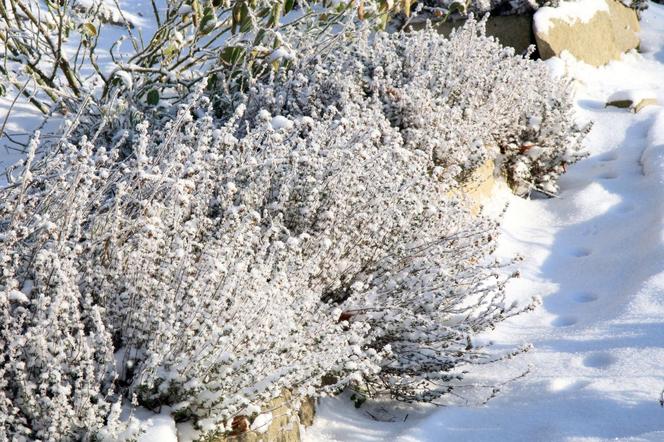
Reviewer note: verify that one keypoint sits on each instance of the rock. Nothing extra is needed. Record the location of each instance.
(249, 436)
(284, 423)
(307, 411)
(510, 30)
(515, 31)
(593, 31)
(634, 99)
(623, 104)
(633, 106)
(645, 102)
(477, 187)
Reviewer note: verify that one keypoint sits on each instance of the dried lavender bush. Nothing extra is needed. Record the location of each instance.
(55, 347)
(218, 264)
(206, 304)
(206, 264)
(466, 99)
(405, 256)
(495, 7)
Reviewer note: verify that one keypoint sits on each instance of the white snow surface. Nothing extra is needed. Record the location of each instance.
(595, 255)
(157, 427)
(161, 430)
(262, 422)
(569, 12)
(281, 122)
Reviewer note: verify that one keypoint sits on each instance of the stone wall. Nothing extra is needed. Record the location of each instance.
(479, 186)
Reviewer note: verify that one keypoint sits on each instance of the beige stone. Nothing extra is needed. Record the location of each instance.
(478, 187)
(635, 106)
(285, 424)
(605, 37)
(645, 102)
(307, 411)
(511, 30)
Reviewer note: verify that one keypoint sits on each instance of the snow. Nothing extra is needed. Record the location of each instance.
(187, 432)
(157, 427)
(126, 78)
(569, 12)
(16, 296)
(653, 155)
(595, 255)
(280, 53)
(109, 8)
(262, 423)
(281, 122)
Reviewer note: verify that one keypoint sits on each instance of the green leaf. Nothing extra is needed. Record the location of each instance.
(245, 15)
(275, 15)
(170, 51)
(212, 82)
(2, 90)
(153, 97)
(236, 17)
(89, 29)
(232, 54)
(260, 35)
(207, 22)
(459, 7)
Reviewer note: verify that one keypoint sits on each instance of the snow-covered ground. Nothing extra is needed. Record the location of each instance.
(596, 258)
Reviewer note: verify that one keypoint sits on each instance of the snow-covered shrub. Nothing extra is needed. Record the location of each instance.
(55, 348)
(404, 256)
(204, 296)
(465, 99)
(219, 263)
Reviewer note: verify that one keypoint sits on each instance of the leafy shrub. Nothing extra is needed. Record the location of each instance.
(192, 40)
